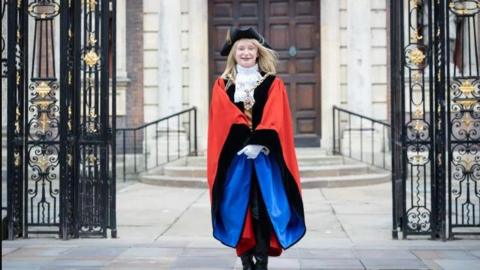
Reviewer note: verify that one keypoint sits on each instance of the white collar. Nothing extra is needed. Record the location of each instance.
(245, 82)
(247, 71)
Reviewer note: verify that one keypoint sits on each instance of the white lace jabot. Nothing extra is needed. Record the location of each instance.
(245, 81)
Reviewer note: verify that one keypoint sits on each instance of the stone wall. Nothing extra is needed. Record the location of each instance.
(175, 54)
(176, 60)
(375, 25)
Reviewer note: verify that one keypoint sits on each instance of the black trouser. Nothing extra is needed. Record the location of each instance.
(260, 220)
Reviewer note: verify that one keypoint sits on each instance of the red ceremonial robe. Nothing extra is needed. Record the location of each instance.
(228, 132)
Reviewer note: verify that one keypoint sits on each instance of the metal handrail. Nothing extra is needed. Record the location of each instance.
(342, 122)
(162, 125)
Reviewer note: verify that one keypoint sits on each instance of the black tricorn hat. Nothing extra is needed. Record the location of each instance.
(234, 34)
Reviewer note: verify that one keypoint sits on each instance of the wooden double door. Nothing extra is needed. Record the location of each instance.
(291, 27)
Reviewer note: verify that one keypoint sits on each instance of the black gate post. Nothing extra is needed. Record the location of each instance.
(113, 133)
(439, 172)
(396, 89)
(13, 206)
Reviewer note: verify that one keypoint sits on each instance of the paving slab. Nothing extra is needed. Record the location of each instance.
(39, 252)
(326, 253)
(169, 228)
(351, 264)
(139, 263)
(452, 264)
(150, 252)
(191, 262)
(475, 253)
(396, 264)
(93, 252)
(73, 263)
(22, 263)
(6, 250)
(443, 254)
(382, 254)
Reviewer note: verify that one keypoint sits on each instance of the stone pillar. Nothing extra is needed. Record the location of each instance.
(330, 55)
(199, 88)
(121, 57)
(359, 91)
(169, 58)
(121, 39)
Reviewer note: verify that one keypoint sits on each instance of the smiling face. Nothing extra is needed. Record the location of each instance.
(246, 53)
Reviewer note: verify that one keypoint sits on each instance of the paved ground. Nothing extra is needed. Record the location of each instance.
(169, 228)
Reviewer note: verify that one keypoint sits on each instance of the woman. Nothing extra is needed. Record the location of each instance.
(252, 168)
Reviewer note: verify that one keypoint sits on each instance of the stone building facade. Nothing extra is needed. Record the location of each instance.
(165, 63)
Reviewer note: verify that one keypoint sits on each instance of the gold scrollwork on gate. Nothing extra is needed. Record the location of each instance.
(91, 5)
(16, 157)
(416, 56)
(91, 58)
(69, 160)
(415, 37)
(17, 120)
(43, 163)
(92, 127)
(92, 40)
(43, 10)
(467, 87)
(418, 114)
(43, 89)
(418, 158)
(465, 7)
(91, 158)
(416, 77)
(418, 126)
(467, 103)
(69, 123)
(43, 101)
(467, 120)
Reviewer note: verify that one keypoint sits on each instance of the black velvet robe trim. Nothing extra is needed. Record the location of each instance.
(260, 95)
(235, 141)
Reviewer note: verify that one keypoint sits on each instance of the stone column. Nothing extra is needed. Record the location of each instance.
(121, 57)
(199, 88)
(121, 40)
(359, 91)
(169, 76)
(330, 63)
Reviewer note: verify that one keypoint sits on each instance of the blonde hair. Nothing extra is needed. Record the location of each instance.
(267, 60)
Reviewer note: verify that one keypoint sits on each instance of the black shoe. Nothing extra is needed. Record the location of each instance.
(247, 261)
(261, 262)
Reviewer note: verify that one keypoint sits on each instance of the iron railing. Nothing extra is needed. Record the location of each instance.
(150, 145)
(361, 138)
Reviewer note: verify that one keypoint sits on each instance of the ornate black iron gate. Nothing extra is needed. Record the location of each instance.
(60, 79)
(435, 46)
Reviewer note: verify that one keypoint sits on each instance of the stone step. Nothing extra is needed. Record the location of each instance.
(310, 151)
(317, 170)
(347, 180)
(307, 182)
(169, 181)
(310, 160)
(305, 171)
